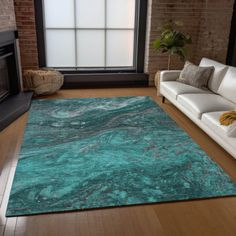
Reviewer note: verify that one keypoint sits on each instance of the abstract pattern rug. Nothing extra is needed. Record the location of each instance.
(105, 152)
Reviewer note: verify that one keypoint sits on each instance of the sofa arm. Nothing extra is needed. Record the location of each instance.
(169, 75)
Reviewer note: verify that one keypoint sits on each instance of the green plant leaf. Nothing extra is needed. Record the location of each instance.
(157, 44)
(172, 40)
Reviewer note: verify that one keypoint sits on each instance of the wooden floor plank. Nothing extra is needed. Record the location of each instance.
(10, 226)
(1, 197)
(4, 177)
(214, 217)
(2, 230)
(199, 217)
(3, 206)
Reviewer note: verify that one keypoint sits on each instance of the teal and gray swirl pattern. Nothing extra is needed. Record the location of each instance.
(103, 152)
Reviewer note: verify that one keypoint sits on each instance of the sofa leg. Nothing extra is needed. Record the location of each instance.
(163, 99)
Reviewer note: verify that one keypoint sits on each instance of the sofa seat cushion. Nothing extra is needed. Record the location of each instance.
(211, 120)
(174, 88)
(198, 104)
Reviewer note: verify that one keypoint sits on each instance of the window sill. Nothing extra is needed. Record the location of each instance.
(73, 81)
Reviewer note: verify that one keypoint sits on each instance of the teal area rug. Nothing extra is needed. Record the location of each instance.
(104, 152)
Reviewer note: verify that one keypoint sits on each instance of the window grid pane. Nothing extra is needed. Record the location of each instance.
(90, 17)
(119, 50)
(90, 48)
(120, 13)
(89, 52)
(60, 48)
(62, 16)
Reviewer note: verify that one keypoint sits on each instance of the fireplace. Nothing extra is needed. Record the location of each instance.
(4, 79)
(13, 102)
(9, 73)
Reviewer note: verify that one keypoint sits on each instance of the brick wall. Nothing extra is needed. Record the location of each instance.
(7, 16)
(214, 30)
(207, 21)
(25, 21)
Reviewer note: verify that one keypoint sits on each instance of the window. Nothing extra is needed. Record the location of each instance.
(88, 34)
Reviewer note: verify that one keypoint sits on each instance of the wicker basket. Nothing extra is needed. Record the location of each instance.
(42, 82)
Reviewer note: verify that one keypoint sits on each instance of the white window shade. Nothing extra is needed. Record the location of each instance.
(90, 13)
(89, 33)
(120, 13)
(60, 48)
(120, 48)
(91, 48)
(59, 13)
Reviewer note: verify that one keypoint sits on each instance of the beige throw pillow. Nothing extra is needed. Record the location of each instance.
(195, 76)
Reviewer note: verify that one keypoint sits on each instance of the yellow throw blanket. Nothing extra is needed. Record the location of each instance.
(228, 118)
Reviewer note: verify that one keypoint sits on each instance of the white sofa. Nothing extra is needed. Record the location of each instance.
(204, 107)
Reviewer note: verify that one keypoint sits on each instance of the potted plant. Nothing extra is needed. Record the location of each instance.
(172, 41)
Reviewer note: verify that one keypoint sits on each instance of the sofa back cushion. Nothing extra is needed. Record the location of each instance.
(227, 87)
(218, 74)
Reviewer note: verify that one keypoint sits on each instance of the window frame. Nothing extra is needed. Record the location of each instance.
(231, 55)
(139, 43)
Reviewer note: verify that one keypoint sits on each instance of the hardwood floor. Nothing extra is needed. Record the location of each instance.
(214, 217)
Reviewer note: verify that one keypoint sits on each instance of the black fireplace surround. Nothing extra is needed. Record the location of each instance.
(13, 102)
